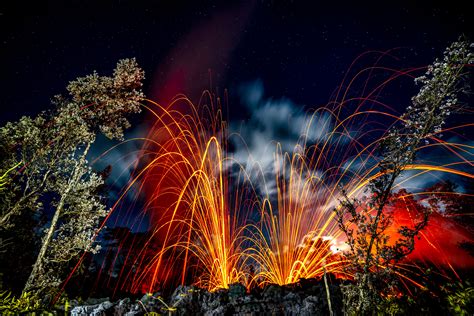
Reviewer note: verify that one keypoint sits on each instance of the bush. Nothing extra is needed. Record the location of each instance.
(11, 305)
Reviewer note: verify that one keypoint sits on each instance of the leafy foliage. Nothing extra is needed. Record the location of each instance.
(56, 180)
(27, 302)
(460, 298)
(365, 222)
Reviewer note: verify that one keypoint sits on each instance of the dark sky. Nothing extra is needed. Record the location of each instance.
(299, 51)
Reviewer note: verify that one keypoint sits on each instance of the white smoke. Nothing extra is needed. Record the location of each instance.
(272, 122)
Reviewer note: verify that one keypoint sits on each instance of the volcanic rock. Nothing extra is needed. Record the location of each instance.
(307, 297)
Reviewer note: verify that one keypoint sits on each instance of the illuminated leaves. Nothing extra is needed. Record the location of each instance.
(373, 258)
(56, 180)
(104, 101)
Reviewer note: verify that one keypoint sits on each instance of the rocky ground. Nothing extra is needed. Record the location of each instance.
(307, 297)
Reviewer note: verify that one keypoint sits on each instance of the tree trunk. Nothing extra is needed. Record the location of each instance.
(37, 267)
(44, 247)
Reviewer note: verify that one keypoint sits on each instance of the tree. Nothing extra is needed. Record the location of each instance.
(454, 205)
(55, 179)
(365, 222)
(4, 180)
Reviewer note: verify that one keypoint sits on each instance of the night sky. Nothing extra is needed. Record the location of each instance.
(299, 51)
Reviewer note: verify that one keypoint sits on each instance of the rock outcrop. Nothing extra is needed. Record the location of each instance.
(307, 297)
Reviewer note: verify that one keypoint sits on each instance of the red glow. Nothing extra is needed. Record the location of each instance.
(439, 241)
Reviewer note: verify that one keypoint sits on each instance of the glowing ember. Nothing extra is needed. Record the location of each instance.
(211, 226)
